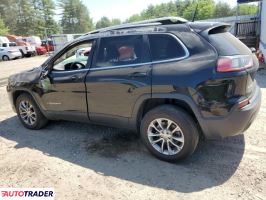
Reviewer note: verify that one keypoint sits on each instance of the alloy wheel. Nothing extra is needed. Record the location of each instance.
(165, 136)
(27, 113)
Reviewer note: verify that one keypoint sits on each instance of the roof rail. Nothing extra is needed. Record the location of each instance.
(122, 26)
(151, 22)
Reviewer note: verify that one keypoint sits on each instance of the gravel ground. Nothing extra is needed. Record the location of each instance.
(83, 161)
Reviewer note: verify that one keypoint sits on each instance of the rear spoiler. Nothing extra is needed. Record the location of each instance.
(209, 27)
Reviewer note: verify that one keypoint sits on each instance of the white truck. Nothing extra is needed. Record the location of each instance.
(33, 40)
(60, 40)
(25, 48)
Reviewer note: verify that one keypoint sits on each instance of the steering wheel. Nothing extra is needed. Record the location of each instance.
(77, 65)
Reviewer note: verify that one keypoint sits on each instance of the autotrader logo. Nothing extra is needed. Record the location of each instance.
(27, 193)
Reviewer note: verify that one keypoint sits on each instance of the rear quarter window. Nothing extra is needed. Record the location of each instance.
(164, 47)
(227, 45)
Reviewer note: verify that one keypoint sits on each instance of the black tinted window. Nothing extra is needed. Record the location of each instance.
(4, 45)
(226, 44)
(165, 47)
(122, 50)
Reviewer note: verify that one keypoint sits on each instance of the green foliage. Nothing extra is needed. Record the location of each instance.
(245, 9)
(76, 18)
(8, 11)
(3, 29)
(115, 22)
(29, 17)
(34, 17)
(105, 22)
(207, 9)
(222, 10)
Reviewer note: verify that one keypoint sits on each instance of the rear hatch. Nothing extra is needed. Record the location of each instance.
(243, 64)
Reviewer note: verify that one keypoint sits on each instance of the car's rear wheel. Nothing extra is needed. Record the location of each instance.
(169, 133)
(5, 58)
(29, 113)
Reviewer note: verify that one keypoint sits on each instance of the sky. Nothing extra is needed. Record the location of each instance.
(123, 9)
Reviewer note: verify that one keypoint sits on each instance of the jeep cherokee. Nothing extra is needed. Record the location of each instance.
(169, 79)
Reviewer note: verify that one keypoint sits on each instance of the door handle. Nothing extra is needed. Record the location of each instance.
(139, 74)
(74, 78)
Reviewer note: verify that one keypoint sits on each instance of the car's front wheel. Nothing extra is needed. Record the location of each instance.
(29, 113)
(169, 133)
(5, 58)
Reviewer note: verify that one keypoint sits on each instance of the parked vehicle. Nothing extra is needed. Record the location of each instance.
(48, 44)
(25, 48)
(60, 40)
(41, 50)
(3, 40)
(171, 80)
(33, 40)
(9, 54)
(36, 42)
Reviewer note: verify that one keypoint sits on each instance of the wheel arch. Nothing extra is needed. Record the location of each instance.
(146, 103)
(18, 92)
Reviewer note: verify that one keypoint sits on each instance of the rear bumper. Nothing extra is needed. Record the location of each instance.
(235, 123)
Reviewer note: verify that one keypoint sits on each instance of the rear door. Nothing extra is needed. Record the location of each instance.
(119, 75)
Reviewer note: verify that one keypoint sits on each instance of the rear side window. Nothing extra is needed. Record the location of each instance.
(164, 47)
(122, 50)
(227, 45)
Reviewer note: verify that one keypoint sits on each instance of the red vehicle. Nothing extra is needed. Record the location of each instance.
(48, 44)
(41, 50)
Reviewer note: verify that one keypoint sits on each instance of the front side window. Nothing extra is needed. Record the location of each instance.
(4, 45)
(164, 47)
(121, 50)
(74, 58)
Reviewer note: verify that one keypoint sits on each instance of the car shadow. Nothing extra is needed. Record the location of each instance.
(120, 154)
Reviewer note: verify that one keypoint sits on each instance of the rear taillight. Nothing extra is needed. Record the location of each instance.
(244, 103)
(234, 63)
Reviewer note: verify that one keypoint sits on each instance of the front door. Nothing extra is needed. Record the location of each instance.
(119, 75)
(64, 89)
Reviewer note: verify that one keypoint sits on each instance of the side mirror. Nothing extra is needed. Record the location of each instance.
(253, 50)
(44, 73)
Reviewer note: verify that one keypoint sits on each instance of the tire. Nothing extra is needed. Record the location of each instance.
(5, 58)
(182, 142)
(25, 102)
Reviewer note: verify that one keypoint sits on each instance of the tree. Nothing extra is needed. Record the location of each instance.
(245, 9)
(222, 10)
(47, 8)
(133, 18)
(8, 11)
(3, 29)
(76, 18)
(103, 22)
(115, 22)
(205, 10)
(26, 21)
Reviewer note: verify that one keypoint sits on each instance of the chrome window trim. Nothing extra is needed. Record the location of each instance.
(187, 54)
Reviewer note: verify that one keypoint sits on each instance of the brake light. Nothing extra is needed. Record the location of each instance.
(234, 63)
(244, 103)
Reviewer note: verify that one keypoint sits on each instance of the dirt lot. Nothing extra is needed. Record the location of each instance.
(82, 161)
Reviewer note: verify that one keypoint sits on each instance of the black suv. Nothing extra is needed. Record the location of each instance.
(171, 80)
